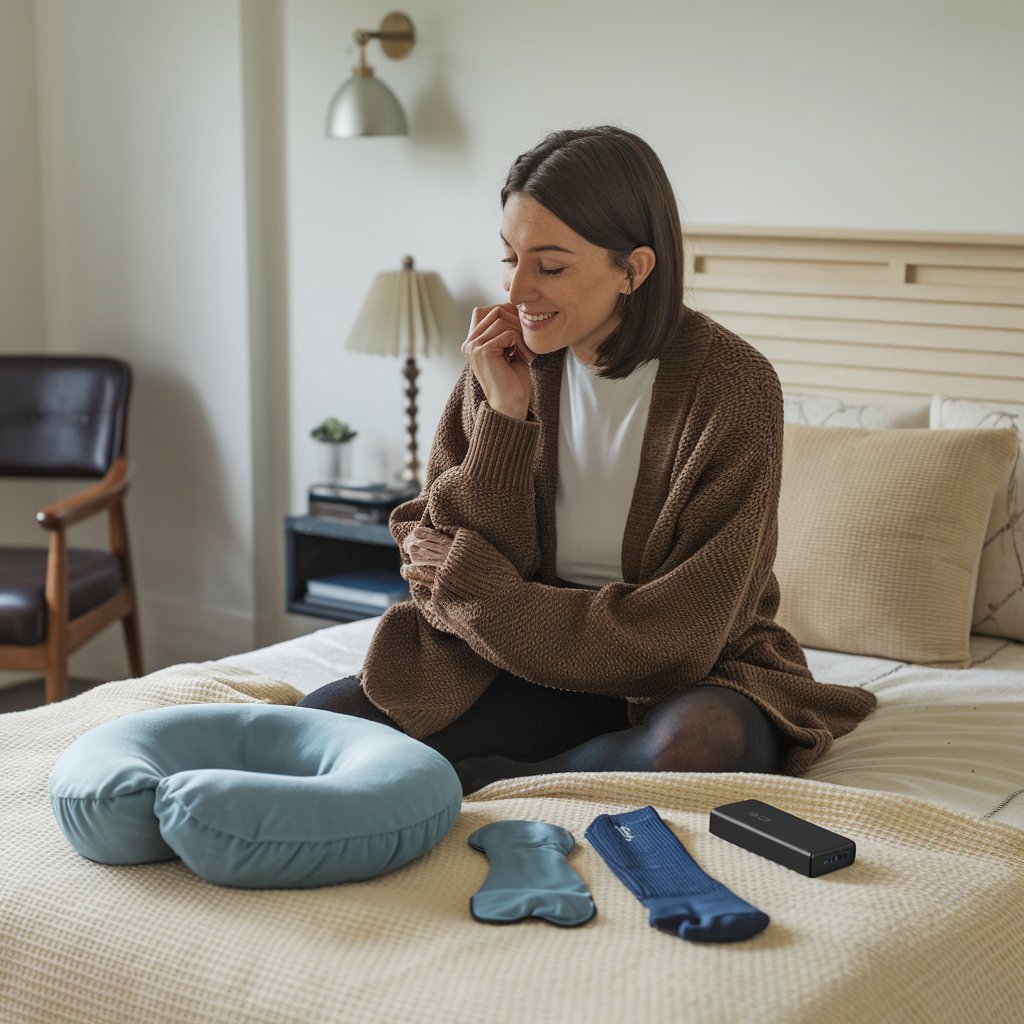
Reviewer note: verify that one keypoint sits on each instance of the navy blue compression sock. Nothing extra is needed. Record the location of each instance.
(649, 860)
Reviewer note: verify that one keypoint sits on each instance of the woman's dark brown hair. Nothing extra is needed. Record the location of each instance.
(609, 186)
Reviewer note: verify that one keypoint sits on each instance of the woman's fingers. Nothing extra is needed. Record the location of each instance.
(419, 574)
(488, 331)
(501, 325)
(489, 320)
(426, 533)
(427, 547)
(499, 332)
(498, 322)
(500, 359)
(491, 344)
(504, 310)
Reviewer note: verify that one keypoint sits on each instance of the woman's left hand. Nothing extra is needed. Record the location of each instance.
(427, 547)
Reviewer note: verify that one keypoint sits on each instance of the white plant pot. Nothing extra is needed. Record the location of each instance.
(335, 461)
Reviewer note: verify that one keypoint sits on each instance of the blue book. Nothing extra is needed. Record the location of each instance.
(378, 588)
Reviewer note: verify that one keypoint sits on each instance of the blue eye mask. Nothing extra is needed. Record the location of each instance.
(529, 875)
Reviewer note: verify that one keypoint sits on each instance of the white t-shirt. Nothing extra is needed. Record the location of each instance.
(600, 434)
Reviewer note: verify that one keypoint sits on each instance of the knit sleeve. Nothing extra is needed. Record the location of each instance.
(448, 449)
(637, 641)
(479, 477)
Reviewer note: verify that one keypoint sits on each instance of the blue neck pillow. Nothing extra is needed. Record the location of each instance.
(255, 796)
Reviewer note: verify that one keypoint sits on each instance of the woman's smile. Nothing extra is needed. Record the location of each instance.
(535, 321)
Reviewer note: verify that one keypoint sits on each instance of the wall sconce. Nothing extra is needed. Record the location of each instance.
(364, 105)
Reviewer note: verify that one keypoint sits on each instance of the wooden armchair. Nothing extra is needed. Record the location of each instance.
(66, 417)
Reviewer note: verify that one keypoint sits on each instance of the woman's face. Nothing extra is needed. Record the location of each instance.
(565, 288)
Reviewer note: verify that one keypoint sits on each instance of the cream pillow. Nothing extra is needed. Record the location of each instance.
(880, 534)
(826, 411)
(999, 601)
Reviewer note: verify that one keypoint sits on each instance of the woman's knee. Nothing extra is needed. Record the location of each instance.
(333, 696)
(712, 729)
(345, 697)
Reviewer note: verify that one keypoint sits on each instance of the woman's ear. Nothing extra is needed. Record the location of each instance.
(641, 263)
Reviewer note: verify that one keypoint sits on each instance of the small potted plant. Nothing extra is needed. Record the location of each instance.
(335, 434)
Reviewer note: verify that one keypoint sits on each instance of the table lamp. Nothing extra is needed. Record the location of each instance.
(409, 313)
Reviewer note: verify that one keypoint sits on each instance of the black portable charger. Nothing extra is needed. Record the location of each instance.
(782, 837)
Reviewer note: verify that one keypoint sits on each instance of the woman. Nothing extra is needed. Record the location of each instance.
(590, 559)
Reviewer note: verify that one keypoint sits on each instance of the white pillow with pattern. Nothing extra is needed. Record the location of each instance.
(999, 600)
(826, 411)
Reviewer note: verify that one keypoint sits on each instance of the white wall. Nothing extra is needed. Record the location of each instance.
(197, 221)
(21, 260)
(145, 231)
(796, 112)
(22, 305)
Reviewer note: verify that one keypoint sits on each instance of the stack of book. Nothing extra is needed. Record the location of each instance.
(373, 590)
(358, 502)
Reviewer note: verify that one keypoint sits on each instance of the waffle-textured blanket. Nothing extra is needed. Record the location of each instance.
(928, 923)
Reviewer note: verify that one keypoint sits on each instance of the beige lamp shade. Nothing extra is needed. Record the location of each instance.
(407, 313)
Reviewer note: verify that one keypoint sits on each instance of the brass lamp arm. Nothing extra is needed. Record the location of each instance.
(396, 37)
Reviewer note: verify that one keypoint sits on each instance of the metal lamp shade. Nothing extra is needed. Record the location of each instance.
(365, 106)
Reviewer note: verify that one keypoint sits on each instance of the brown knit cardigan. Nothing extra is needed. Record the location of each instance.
(698, 597)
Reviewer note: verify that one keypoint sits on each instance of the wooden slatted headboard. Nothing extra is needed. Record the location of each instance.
(869, 316)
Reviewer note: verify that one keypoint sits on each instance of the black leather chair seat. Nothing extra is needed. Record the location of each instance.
(93, 577)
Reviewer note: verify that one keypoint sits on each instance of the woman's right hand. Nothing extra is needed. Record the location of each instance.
(500, 359)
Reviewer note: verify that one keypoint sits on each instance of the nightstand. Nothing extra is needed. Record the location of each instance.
(317, 547)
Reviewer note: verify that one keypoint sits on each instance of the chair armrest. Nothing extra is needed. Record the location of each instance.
(108, 491)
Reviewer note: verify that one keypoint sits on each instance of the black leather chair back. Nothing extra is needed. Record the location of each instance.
(62, 416)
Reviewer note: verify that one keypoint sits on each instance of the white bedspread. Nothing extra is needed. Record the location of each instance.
(954, 737)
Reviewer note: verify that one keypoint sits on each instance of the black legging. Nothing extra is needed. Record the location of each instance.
(519, 728)
(513, 718)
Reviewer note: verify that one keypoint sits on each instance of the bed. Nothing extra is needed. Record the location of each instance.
(926, 925)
